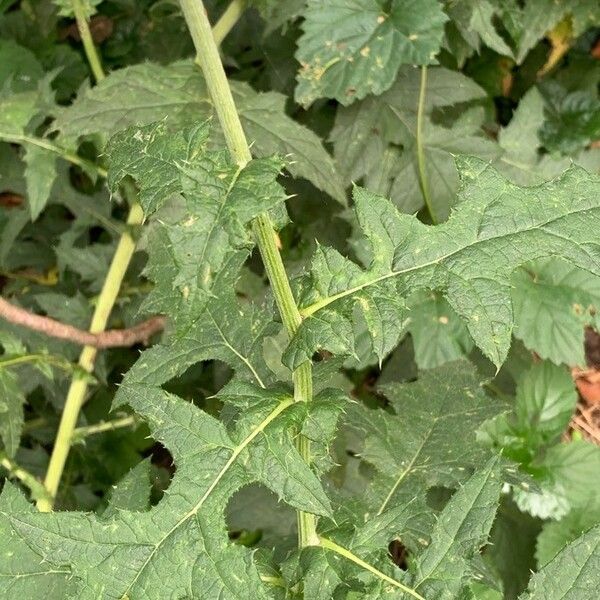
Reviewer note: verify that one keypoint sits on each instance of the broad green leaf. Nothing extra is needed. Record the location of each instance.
(40, 174)
(11, 410)
(18, 67)
(496, 227)
(438, 416)
(351, 48)
(438, 334)
(212, 463)
(147, 93)
(572, 119)
(22, 572)
(574, 574)
(460, 532)
(546, 399)
(132, 493)
(553, 302)
(375, 141)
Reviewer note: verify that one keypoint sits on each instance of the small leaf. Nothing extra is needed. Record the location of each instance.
(351, 48)
(40, 174)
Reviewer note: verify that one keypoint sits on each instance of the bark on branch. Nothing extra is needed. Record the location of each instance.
(111, 338)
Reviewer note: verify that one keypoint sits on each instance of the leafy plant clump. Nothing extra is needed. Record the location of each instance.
(300, 299)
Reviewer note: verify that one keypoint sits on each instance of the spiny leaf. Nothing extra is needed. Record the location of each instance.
(146, 93)
(461, 530)
(188, 250)
(497, 227)
(186, 528)
(574, 574)
(438, 416)
(351, 48)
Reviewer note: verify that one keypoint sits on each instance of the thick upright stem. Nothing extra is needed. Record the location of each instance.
(79, 385)
(218, 86)
(87, 40)
(421, 164)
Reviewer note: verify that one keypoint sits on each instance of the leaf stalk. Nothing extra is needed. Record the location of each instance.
(421, 163)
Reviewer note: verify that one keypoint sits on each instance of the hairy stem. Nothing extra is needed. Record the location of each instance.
(37, 489)
(228, 20)
(422, 167)
(79, 385)
(218, 86)
(87, 41)
(82, 432)
(330, 545)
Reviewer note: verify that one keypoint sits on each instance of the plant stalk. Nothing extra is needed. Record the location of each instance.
(29, 480)
(228, 20)
(87, 41)
(218, 86)
(421, 164)
(79, 385)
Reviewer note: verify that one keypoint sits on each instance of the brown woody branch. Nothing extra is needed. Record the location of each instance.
(111, 338)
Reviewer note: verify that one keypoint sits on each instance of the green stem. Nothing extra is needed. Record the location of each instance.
(79, 385)
(422, 167)
(228, 20)
(218, 86)
(88, 43)
(329, 545)
(82, 432)
(57, 361)
(38, 491)
(48, 145)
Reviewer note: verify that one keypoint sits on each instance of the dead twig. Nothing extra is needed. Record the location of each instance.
(111, 338)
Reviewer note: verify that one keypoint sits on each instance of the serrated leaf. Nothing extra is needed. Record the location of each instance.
(187, 527)
(65, 7)
(22, 572)
(497, 227)
(572, 119)
(351, 48)
(553, 302)
(148, 93)
(375, 141)
(574, 574)
(555, 535)
(458, 535)
(187, 251)
(438, 416)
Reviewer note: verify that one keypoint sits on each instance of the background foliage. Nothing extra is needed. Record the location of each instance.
(455, 427)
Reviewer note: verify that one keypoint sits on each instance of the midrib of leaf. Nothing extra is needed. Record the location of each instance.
(235, 454)
(442, 558)
(331, 545)
(316, 306)
(243, 358)
(406, 471)
(580, 571)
